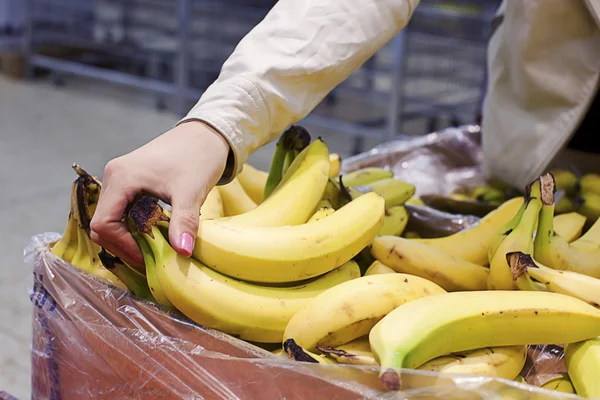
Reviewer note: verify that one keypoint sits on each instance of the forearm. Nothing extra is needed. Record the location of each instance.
(285, 66)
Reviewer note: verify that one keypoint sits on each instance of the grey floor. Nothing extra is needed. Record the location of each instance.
(43, 129)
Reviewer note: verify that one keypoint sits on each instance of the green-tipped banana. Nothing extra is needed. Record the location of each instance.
(134, 280)
(366, 175)
(291, 142)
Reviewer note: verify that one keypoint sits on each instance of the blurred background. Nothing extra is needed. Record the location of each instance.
(87, 80)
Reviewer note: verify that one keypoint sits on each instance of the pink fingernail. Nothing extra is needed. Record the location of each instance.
(186, 243)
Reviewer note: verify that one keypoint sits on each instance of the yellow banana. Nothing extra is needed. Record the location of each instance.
(576, 285)
(589, 205)
(349, 310)
(296, 196)
(503, 232)
(583, 365)
(565, 205)
(561, 384)
(569, 226)
(377, 267)
(235, 200)
(519, 239)
(365, 176)
(504, 362)
(356, 352)
(415, 201)
(335, 164)
(472, 244)
(582, 255)
(324, 208)
(408, 256)
(590, 183)
(251, 312)
(566, 180)
(394, 221)
(394, 191)
(213, 205)
(253, 181)
(288, 253)
(433, 326)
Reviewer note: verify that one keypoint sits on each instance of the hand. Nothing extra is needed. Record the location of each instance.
(179, 167)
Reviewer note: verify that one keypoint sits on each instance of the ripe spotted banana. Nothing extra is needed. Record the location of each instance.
(519, 239)
(411, 257)
(582, 255)
(432, 326)
(472, 244)
(235, 200)
(365, 176)
(349, 310)
(253, 181)
(251, 312)
(583, 365)
(576, 285)
(377, 267)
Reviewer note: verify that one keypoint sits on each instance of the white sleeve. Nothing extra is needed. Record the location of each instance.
(288, 63)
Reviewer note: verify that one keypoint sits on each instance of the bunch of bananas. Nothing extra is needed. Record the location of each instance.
(313, 264)
(581, 194)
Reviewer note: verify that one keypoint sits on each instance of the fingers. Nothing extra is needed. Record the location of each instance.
(107, 228)
(183, 227)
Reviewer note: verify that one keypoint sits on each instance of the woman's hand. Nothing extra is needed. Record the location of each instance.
(179, 167)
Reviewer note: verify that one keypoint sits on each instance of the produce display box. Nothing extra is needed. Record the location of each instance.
(92, 340)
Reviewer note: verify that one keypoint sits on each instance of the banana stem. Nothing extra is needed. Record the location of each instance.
(519, 263)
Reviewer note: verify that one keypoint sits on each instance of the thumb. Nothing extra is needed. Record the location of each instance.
(183, 227)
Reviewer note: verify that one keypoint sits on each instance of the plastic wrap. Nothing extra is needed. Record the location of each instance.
(95, 341)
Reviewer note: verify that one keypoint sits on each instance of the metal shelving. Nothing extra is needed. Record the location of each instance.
(174, 49)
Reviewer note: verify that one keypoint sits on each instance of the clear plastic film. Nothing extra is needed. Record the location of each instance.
(92, 340)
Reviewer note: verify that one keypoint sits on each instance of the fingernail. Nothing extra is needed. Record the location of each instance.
(186, 243)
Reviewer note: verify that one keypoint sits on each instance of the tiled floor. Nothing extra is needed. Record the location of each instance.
(43, 129)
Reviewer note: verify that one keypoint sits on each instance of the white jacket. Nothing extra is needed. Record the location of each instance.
(544, 63)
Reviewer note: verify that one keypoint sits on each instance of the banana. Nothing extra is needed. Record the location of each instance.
(582, 255)
(213, 205)
(294, 138)
(560, 384)
(590, 183)
(472, 244)
(251, 312)
(377, 267)
(235, 200)
(589, 205)
(151, 274)
(349, 310)
(566, 181)
(583, 365)
(503, 232)
(324, 208)
(519, 263)
(565, 205)
(519, 239)
(569, 226)
(394, 191)
(296, 197)
(415, 201)
(366, 175)
(356, 352)
(433, 326)
(297, 353)
(335, 162)
(505, 362)
(394, 221)
(408, 256)
(489, 194)
(287, 253)
(134, 280)
(253, 181)
(570, 283)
